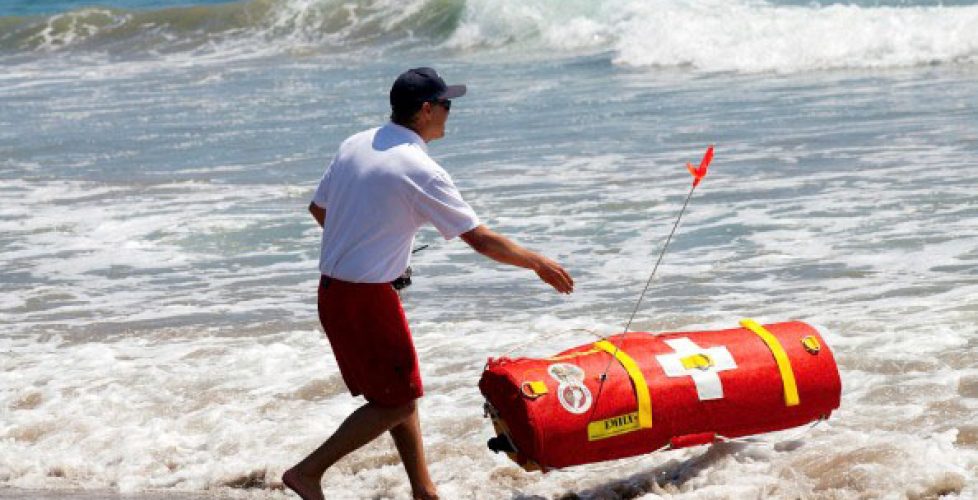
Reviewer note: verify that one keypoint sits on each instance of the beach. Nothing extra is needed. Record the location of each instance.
(158, 266)
(94, 495)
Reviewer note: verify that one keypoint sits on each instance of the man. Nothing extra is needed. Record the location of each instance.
(380, 188)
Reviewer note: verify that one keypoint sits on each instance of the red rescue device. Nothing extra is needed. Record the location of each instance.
(667, 390)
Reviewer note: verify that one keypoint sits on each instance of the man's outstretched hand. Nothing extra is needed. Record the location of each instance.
(553, 274)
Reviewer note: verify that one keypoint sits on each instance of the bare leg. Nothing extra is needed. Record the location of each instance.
(407, 438)
(360, 428)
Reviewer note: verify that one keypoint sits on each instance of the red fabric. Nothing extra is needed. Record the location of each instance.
(692, 440)
(753, 401)
(700, 172)
(371, 340)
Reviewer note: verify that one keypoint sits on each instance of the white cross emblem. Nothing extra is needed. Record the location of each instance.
(691, 360)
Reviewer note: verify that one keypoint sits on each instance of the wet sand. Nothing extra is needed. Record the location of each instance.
(15, 493)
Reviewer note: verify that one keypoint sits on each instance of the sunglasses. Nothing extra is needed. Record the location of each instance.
(447, 104)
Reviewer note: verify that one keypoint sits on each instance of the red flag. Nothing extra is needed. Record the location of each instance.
(700, 172)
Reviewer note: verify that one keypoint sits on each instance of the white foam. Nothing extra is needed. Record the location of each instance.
(566, 26)
(751, 36)
(66, 29)
(201, 412)
(743, 36)
(102, 250)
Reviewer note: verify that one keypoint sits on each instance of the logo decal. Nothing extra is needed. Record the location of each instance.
(566, 373)
(573, 395)
(614, 426)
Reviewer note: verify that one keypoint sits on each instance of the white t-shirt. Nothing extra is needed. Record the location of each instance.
(378, 191)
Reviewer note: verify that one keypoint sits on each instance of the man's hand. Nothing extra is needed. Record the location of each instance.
(554, 275)
(501, 249)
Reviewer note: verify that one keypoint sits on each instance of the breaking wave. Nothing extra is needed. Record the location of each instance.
(260, 24)
(711, 35)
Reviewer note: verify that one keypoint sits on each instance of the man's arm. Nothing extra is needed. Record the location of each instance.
(317, 213)
(501, 249)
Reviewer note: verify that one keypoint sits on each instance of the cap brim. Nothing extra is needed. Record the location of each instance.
(453, 91)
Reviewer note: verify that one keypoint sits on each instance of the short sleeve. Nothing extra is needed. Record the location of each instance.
(319, 198)
(440, 203)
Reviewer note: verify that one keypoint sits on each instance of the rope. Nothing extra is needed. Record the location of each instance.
(538, 339)
(648, 283)
(541, 338)
(658, 261)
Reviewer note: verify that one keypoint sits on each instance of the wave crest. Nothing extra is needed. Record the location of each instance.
(710, 35)
(262, 24)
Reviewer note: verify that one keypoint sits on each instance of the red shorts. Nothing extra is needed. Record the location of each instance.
(371, 340)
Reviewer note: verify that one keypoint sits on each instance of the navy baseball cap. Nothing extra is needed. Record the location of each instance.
(419, 85)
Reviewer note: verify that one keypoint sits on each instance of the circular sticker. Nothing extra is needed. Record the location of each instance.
(575, 398)
(573, 395)
(566, 373)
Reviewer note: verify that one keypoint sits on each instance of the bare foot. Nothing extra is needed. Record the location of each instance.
(425, 495)
(307, 488)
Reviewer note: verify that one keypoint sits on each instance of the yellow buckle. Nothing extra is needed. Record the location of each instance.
(533, 389)
(699, 360)
(811, 344)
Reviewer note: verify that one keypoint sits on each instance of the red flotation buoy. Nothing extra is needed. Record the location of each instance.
(636, 393)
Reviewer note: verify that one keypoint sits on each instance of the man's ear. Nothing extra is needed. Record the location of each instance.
(424, 114)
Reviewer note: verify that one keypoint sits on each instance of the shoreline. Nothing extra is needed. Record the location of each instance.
(100, 494)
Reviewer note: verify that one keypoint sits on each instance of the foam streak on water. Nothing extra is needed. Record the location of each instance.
(158, 266)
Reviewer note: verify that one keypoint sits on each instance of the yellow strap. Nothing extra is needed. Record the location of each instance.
(572, 355)
(780, 357)
(638, 380)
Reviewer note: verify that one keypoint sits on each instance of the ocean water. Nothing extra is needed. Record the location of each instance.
(158, 267)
